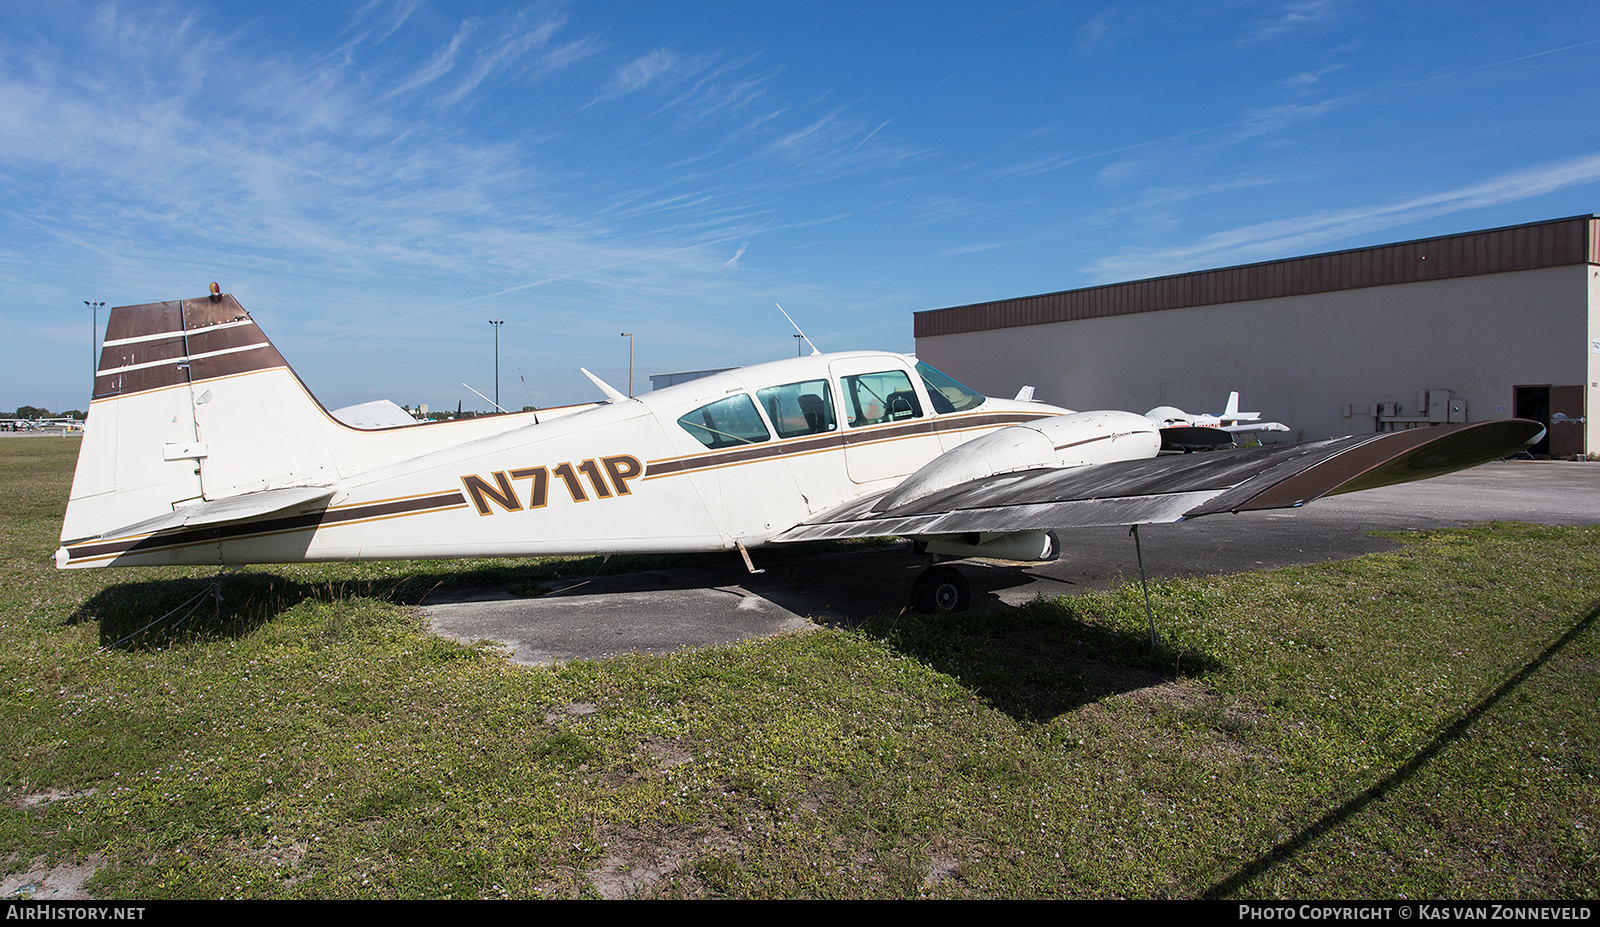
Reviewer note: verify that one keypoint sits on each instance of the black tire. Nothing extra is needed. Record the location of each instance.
(940, 589)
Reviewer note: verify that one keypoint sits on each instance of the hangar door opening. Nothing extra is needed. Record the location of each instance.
(1560, 410)
(1533, 404)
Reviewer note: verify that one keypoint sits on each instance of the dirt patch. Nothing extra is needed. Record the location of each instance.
(61, 882)
(667, 753)
(637, 860)
(574, 710)
(943, 866)
(49, 797)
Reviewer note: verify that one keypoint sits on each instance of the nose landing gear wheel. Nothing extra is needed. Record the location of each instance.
(940, 589)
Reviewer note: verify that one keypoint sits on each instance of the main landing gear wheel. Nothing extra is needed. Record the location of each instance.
(940, 589)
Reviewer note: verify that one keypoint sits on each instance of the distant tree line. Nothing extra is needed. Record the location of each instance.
(31, 412)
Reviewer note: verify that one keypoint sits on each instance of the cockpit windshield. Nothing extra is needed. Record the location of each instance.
(945, 392)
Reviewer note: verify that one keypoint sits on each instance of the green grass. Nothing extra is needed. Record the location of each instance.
(1420, 724)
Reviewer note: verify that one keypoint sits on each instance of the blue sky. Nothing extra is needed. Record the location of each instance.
(376, 181)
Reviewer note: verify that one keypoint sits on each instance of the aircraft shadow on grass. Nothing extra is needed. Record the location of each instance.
(1033, 663)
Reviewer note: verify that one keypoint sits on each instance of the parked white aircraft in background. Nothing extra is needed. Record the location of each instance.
(203, 447)
(60, 425)
(1230, 419)
(1184, 430)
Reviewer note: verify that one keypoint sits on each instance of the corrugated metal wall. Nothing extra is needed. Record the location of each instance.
(1574, 240)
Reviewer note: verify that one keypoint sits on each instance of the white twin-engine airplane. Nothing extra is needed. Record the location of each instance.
(1230, 419)
(203, 447)
(1182, 430)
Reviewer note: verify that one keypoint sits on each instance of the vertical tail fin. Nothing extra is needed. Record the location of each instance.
(191, 403)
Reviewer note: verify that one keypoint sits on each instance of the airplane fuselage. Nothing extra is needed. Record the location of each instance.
(734, 458)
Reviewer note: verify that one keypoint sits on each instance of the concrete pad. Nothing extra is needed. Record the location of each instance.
(610, 615)
(720, 602)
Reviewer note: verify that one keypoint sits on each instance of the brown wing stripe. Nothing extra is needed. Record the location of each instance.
(1397, 457)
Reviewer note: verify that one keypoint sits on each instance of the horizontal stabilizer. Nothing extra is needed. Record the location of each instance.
(1174, 488)
(247, 507)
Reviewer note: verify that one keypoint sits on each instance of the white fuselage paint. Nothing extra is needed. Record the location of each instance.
(616, 477)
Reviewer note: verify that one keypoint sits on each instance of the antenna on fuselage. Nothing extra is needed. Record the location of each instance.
(530, 395)
(803, 337)
(612, 393)
(484, 398)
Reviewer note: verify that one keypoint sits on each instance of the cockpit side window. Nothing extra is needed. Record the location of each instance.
(796, 409)
(873, 398)
(946, 394)
(727, 422)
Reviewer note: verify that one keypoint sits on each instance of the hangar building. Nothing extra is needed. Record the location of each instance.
(1492, 324)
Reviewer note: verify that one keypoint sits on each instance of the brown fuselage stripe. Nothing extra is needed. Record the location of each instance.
(310, 520)
(346, 514)
(832, 441)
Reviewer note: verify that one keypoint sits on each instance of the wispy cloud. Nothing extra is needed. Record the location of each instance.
(691, 88)
(976, 247)
(507, 48)
(442, 62)
(868, 137)
(1091, 36)
(401, 160)
(375, 22)
(1167, 195)
(1055, 163)
(1298, 234)
(1294, 17)
(1257, 121)
(355, 189)
(638, 74)
(733, 262)
(504, 55)
(1305, 79)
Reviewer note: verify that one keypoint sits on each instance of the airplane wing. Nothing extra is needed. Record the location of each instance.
(1174, 488)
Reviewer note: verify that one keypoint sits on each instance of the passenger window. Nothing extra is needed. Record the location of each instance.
(880, 397)
(726, 423)
(799, 408)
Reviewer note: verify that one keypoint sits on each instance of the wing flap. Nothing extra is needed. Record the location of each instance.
(1061, 514)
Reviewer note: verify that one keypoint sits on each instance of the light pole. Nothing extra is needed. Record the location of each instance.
(799, 350)
(94, 332)
(497, 324)
(629, 336)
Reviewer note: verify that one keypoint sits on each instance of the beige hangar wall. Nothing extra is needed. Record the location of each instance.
(1301, 359)
(1592, 394)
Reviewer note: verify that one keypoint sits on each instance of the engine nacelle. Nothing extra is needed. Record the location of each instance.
(1074, 440)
